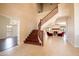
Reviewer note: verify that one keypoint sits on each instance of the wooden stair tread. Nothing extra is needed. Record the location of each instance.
(33, 38)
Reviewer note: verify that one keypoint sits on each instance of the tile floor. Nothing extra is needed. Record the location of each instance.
(53, 46)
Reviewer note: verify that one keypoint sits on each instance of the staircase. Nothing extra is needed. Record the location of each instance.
(36, 36)
(33, 38)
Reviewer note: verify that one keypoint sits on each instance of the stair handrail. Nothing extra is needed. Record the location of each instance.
(40, 22)
(48, 14)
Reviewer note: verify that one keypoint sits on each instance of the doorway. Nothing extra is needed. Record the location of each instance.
(8, 33)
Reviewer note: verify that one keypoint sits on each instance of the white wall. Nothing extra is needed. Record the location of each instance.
(3, 22)
(68, 10)
(5, 30)
(76, 23)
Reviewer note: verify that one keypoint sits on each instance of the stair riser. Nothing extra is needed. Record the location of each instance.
(33, 38)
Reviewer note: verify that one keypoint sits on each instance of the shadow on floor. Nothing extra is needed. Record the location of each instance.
(7, 43)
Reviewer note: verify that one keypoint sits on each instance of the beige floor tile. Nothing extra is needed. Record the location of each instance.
(53, 46)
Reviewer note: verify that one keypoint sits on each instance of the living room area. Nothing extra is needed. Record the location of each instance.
(56, 29)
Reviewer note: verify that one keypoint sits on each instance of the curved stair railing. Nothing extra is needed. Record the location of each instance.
(44, 20)
(36, 36)
(48, 16)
